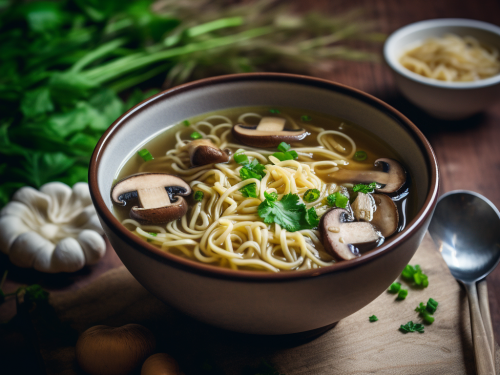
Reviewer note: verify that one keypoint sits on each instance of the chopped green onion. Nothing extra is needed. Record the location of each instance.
(196, 135)
(311, 195)
(293, 153)
(416, 275)
(153, 234)
(282, 156)
(373, 318)
(428, 319)
(145, 154)
(360, 156)
(402, 293)
(337, 199)
(198, 196)
(240, 158)
(432, 305)
(186, 123)
(394, 288)
(305, 118)
(284, 147)
(274, 111)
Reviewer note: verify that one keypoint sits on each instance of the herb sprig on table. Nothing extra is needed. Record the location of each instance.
(70, 68)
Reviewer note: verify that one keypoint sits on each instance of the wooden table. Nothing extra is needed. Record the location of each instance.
(468, 151)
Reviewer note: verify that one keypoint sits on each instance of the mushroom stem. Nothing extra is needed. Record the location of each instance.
(153, 197)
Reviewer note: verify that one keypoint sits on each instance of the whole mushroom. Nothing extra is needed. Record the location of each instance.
(160, 364)
(103, 350)
(270, 132)
(160, 197)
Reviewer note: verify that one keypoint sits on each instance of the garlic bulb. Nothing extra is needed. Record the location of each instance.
(52, 230)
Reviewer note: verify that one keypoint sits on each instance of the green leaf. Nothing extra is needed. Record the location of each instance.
(39, 168)
(37, 102)
(35, 294)
(362, 188)
(249, 191)
(43, 16)
(69, 87)
(288, 212)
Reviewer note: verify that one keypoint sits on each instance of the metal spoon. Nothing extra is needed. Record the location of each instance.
(466, 228)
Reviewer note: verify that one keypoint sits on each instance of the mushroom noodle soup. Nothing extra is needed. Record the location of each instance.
(271, 189)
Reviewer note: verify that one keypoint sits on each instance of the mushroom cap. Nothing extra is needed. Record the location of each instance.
(390, 179)
(127, 188)
(204, 152)
(386, 215)
(160, 215)
(270, 132)
(396, 172)
(340, 235)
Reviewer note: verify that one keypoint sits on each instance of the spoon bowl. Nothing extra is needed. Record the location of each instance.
(466, 229)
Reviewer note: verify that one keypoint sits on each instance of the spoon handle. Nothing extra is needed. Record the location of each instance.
(484, 361)
(484, 306)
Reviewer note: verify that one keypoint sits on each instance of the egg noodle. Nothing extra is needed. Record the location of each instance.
(452, 59)
(224, 229)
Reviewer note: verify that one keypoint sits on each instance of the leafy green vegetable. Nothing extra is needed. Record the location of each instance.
(35, 294)
(412, 327)
(196, 135)
(402, 293)
(362, 188)
(198, 196)
(373, 318)
(249, 191)
(311, 195)
(72, 67)
(394, 288)
(252, 170)
(337, 199)
(145, 154)
(415, 274)
(284, 147)
(288, 212)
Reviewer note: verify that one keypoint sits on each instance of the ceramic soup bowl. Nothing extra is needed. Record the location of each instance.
(251, 301)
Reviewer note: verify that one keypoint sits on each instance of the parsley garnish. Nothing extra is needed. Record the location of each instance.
(362, 188)
(337, 199)
(249, 191)
(287, 212)
(394, 288)
(414, 273)
(412, 327)
(373, 318)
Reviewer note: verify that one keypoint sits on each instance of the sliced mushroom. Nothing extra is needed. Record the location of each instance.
(158, 194)
(363, 207)
(340, 235)
(203, 152)
(390, 179)
(386, 216)
(270, 132)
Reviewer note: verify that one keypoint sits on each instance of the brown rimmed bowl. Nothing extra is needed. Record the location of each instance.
(251, 301)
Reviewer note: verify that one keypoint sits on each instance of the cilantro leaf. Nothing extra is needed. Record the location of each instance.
(288, 212)
(362, 188)
(252, 170)
(249, 191)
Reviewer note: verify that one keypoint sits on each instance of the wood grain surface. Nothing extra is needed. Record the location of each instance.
(468, 151)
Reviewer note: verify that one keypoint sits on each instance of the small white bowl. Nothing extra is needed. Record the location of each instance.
(445, 100)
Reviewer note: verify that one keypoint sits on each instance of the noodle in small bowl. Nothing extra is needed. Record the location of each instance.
(269, 302)
(447, 67)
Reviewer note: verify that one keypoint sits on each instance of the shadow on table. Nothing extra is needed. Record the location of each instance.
(426, 123)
